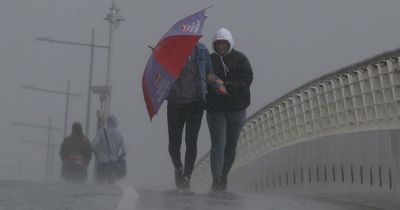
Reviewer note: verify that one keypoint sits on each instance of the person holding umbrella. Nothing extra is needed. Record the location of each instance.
(226, 111)
(178, 70)
(185, 107)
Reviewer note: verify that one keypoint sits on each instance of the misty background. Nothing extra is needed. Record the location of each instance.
(288, 42)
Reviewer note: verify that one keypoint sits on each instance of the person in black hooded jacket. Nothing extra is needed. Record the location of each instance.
(226, 110)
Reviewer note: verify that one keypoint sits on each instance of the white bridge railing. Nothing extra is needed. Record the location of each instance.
(362, 96)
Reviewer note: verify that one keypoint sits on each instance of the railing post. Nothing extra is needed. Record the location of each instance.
(362, 98)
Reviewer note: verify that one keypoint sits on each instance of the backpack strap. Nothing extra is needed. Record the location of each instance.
(106, 137)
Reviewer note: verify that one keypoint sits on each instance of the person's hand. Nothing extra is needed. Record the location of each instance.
(221, 89)
(217, 83)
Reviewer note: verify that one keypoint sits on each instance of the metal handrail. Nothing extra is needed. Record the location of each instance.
(365, 95)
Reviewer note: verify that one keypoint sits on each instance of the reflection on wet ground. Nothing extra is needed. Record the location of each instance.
(171, 200)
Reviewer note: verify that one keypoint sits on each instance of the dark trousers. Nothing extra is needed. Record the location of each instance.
(188, 115)
(73, 174)
(105, 174)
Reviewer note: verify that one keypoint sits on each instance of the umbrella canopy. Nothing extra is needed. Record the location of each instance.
(168, 59)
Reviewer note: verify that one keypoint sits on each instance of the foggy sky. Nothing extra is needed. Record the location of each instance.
(288, 43)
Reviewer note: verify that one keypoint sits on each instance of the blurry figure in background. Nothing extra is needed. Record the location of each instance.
(75, 155)
(226, 107)
(110, 150)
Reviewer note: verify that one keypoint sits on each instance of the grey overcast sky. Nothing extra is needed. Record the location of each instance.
(288, 42)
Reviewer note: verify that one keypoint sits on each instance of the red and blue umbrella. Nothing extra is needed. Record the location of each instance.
(168, 59)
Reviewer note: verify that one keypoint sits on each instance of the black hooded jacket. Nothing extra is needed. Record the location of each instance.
(237, 81)
(235, 71)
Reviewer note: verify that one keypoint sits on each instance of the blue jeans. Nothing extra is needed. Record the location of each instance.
(224, 130)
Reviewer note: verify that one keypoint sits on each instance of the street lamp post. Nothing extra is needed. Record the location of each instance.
(67, 94)
(49, 155)
(92, 45)
(114, 18)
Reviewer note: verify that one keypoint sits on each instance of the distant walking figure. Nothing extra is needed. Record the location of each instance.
(75, 155)
(109, 146)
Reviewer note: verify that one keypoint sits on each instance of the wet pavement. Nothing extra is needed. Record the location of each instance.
(171, 200)
(25, 195)
(21, 195)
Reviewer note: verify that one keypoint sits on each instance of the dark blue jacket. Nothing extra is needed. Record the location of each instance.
(204, 66)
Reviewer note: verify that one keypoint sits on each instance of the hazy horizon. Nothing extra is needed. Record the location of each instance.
(288, 42)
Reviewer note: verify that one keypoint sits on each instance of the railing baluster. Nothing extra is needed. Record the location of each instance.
(355, 98)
